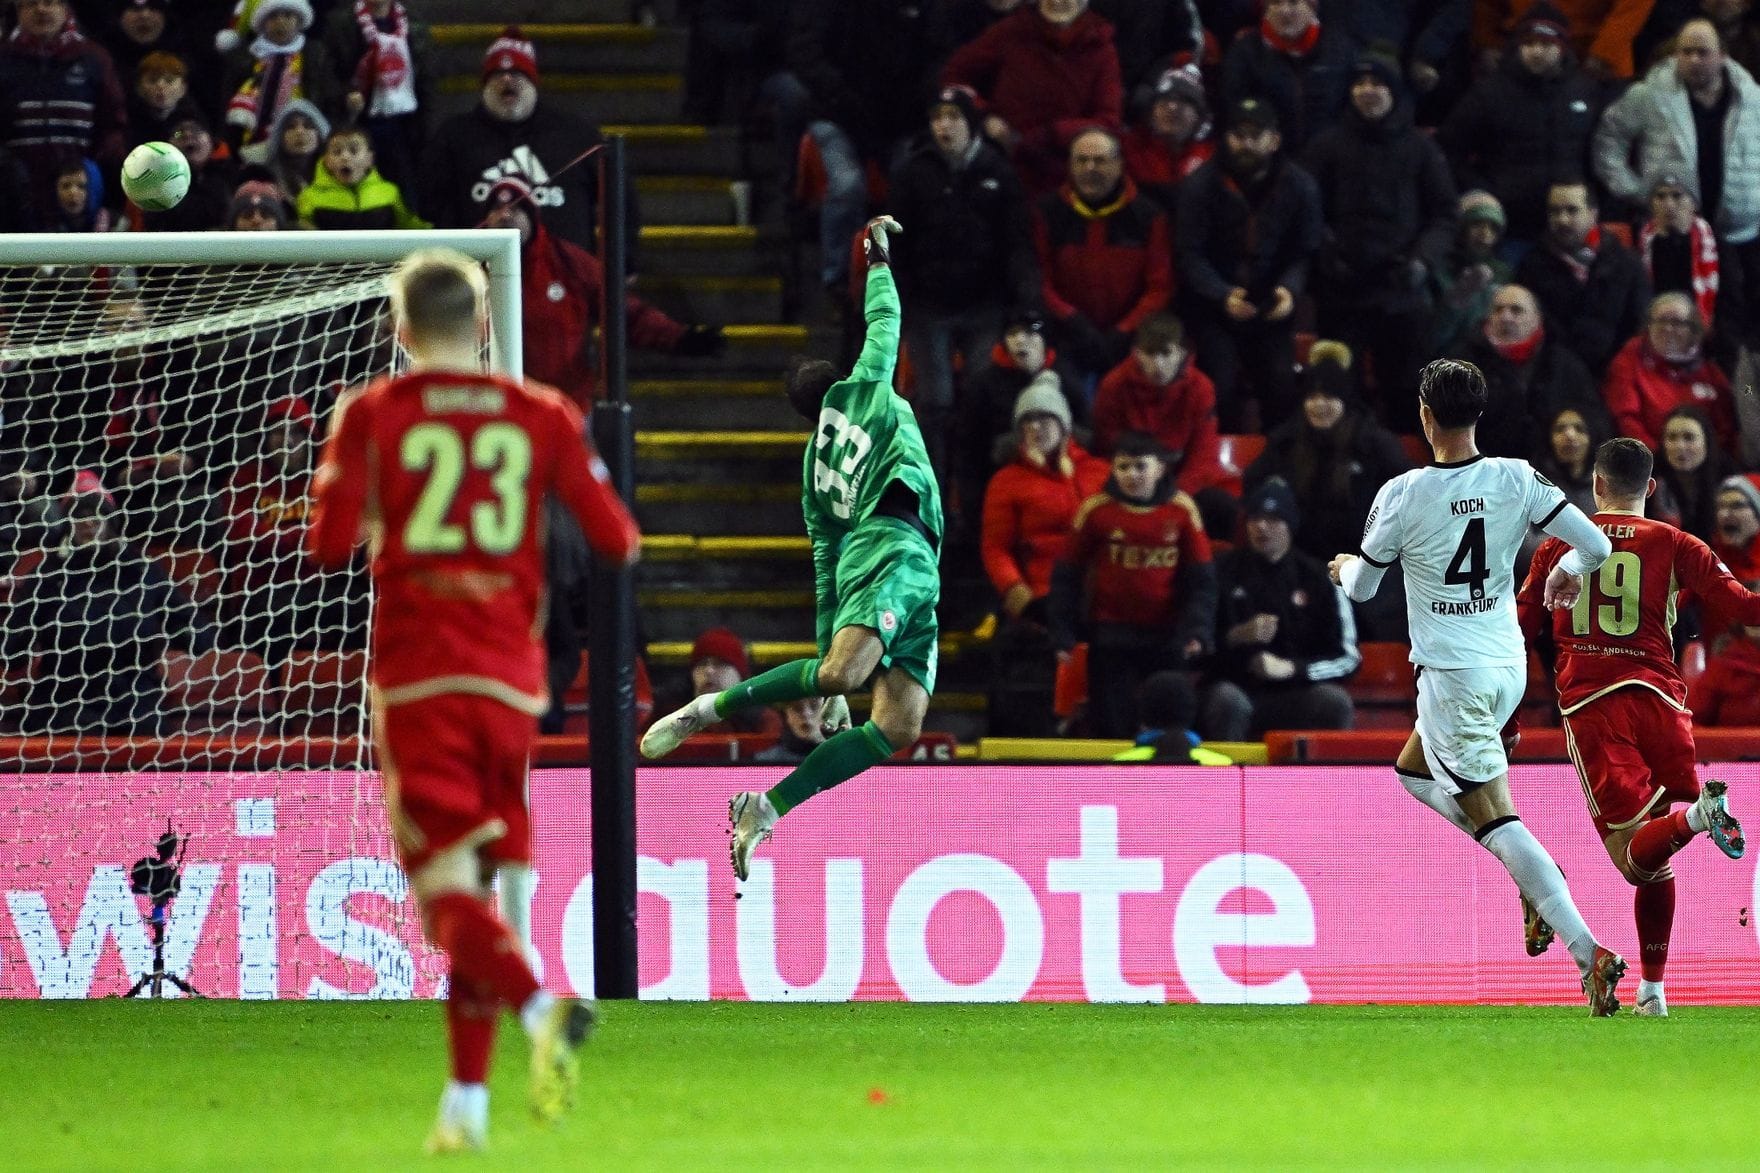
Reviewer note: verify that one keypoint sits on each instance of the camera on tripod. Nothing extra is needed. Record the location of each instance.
(159, 877)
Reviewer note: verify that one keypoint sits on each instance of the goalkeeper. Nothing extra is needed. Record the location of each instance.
(874, 516)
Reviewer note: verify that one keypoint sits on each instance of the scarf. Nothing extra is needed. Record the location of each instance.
(1702, 248)
(1579, 260)
(385, 73)
(275, 80)
(1519, 353)
(1299, 45)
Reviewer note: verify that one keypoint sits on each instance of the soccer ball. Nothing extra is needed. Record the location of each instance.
(155, 176)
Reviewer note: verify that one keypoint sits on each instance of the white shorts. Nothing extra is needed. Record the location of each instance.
(1461, 714)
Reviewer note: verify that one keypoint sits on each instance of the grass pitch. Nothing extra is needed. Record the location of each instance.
(236, 1086)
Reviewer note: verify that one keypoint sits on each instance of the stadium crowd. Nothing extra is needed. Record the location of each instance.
(1169, 270)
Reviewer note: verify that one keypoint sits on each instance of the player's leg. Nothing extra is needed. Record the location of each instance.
(1414, 774)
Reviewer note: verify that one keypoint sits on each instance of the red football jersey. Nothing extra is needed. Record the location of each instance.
(1131, 555)
(1621, 632)
(445, 474)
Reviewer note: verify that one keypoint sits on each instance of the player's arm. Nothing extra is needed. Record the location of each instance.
(1552, 512)
(583, 485)
(1531, 610)
(881, 309)
(340, 486)
(1727, 603)
(1360, 575)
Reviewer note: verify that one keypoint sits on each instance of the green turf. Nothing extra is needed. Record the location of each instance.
(225, 1085)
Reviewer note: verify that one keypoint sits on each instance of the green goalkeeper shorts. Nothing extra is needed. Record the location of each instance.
(887, 580)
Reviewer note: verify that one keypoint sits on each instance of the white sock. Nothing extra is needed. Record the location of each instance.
(1650, 990)
(515, 884)
(531, 1015)
(1696, 821)
(465, 1104)
(705, 707)
(1434, 795)
(1543, 884)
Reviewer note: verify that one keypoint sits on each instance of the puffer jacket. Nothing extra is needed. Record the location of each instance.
(1029, 512)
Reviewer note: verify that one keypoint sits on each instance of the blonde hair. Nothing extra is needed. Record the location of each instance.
(438, 293)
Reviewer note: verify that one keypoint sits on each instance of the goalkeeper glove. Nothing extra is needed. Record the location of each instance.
(835, 717)
(701, 342)
(876, 242)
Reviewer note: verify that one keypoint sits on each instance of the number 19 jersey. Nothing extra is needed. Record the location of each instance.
(1456, 529)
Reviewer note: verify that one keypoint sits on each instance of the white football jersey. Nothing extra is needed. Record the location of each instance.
(1456, 529)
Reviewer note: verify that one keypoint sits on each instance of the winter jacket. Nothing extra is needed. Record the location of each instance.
(1029, 511)
(1181, 416)
(1111, 264)
(1653, 123)
(1048, 84)
(1228, 238)
(866, 65)
(987, 397)
(1603, 29)
(202, 208)
(970, 242)
(1308, 93)
(1522, 399)
(1515, 134)
(1642, 388)
(1594, 317)
(1147, 31)
(1335, 475)
(1316, 628)
(374, 202)
(59, 99)
(1158, 169)
(1431, 31)
(1387, 198)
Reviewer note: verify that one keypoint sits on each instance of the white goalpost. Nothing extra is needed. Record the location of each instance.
(163, 640)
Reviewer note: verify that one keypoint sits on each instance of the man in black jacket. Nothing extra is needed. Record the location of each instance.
(1390, 210)
(1592, 289)
(1530, 377)
(967, 258)
(1285, 634)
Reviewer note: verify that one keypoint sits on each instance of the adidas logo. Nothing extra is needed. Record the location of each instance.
(521, 164)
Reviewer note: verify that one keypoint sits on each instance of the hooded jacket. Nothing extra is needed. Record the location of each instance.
(1180, 415)
(1111, 264)
(1335, 475)
(1029, 508)
(970, 239)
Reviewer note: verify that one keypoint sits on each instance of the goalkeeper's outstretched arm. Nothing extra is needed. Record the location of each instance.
(879, 354)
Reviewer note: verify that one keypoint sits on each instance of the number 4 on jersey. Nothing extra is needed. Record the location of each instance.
(1468, 567)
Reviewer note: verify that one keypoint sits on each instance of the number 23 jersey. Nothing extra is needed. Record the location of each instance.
(866, 438)
(445, 473)
(1621, 632)
(1456, 529)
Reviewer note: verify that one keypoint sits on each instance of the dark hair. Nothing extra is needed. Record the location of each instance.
(350, 130)
(1582, 181)
(1625, 464)
(1165, 700)
(1159, 332)
(1693, 495)
(1455, 392)
(1138, 444)
(806, 380)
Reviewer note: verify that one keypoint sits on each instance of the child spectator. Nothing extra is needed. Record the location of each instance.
(290, 154)
(1137, 581)
(160, 98)
(1166, 706)
(386, 58)
(801, 733)
(1664, 367)
(1159, 391)
(204, 206)
(349, 192)
(79, 198)
(257, 207)
(1171, 138)
(280, 65)
(1688, 472)
(1471, 272)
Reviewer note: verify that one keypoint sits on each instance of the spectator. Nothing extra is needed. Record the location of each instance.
(204, 205)
(960, 22)
(291, 153)
(257, 207)
(1600, 32)
(1047, 71)
(160, 98)
(386, 59)
(1678, 247)
(1285, 634)
(1166, 708)
(1297, 64)
(735, 51)
(1150, 34)
(1737, 537)
(349, 192)
(1104, 253)
(1567, 458)
(718, 662)
(864, 65)
(1525, 124)
(966, 260)
(801, 733)
(1697, 115)
(1334, 454)
(1689, 471)
(1591, 288)
(1137, 581)
(512, 131)
(96, 615)
(1728, 693)
(562, 286)
(59, 98)
(1529, 375)
(1249, 222)
(1389, 206)
(1171, 138)
(279, 66)
(139, 28)
(985, 428)
(1470, 274)
(1430, 36)
(79, 198)
(1664, 367)
(1158, 391)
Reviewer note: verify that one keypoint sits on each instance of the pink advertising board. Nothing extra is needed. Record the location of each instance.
(1101, 883)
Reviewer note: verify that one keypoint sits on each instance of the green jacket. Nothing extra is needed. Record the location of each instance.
(374, 202)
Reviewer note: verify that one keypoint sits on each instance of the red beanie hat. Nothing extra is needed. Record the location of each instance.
(511, 51)
(87, 486)
(723, 645)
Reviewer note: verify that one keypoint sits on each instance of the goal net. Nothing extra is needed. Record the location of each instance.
(167, 650)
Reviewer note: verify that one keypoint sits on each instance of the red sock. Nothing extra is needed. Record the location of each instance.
(1653, 905)
(471, 1013)
(481, 949)
(1658, 839)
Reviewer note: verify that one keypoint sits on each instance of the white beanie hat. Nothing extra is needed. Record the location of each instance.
(1043, 396)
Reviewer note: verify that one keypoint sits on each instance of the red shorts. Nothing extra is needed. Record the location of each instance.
(1632, 750)
(454, 768)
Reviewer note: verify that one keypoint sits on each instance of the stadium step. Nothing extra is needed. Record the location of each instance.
(671, 615)
(760, 348)
(695, 548)
(755, 509)
(721, 250)
(528, 14)
(562, 48)
(714, 299)
(719, 458)
(599, 98)
(730, 404)
(687, 199)
(680, 149)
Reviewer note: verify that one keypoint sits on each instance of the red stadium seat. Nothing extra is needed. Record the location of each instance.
(1385, 675)
(194, 572)
(1237, 453)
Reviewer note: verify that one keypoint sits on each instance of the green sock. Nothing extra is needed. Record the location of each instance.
(838, 760)
(783, 683)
